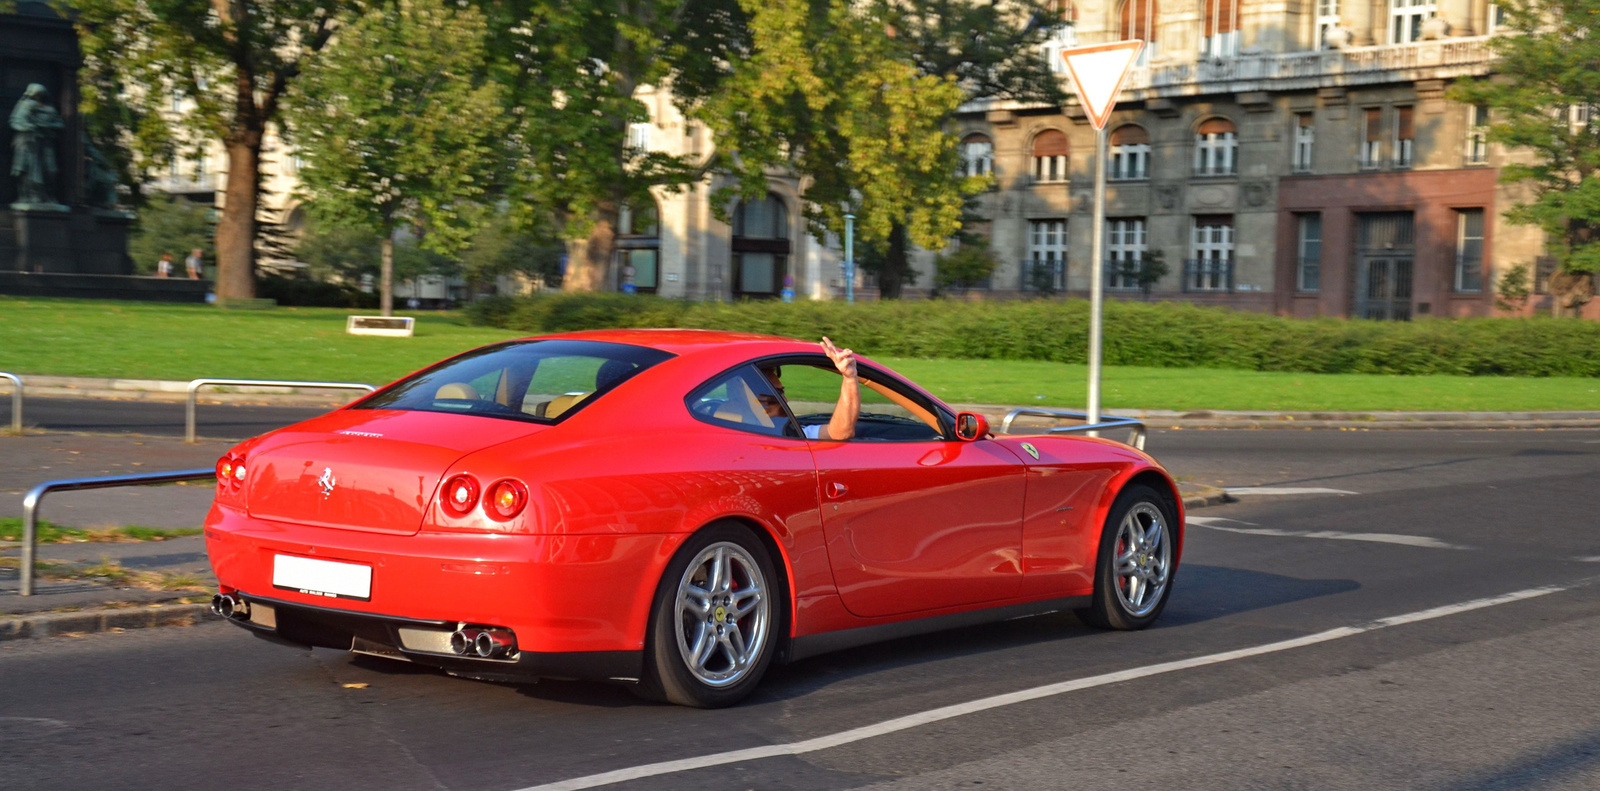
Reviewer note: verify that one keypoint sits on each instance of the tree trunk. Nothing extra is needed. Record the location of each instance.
(895, 264)
(589, 260)
(236, 228)
(386, 276)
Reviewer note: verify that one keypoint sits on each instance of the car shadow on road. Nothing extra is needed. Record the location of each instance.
(1549, 768)
(1202, 593)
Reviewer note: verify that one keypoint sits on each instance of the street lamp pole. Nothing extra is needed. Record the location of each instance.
(850, 258)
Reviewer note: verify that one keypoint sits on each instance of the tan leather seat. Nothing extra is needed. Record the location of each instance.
(743, 407)
(561, 403)
(457, 390)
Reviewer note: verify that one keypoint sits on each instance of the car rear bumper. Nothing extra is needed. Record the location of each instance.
(577, 604)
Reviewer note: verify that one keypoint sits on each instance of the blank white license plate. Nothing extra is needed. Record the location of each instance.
(322, 577)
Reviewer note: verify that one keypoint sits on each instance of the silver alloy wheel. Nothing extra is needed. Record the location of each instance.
(722, 614)
(1143, 559)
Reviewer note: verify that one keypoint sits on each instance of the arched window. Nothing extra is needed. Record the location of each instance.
(1050, 156)
(639, 247)
(1138, 19)
(1130, 154)
(1062, 37)
(1219, 29)
(760, 247)
(1216, 146)
(977, 155)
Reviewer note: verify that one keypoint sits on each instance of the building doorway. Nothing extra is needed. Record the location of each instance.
(1385, 251)
(760, 247)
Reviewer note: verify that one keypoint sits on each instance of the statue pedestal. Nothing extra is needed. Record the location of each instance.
(43, 237)
(103, 245)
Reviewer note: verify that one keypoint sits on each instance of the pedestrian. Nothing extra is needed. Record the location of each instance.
(164, 266)
(195, 263)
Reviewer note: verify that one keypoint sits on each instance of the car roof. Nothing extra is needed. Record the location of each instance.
(736, 346)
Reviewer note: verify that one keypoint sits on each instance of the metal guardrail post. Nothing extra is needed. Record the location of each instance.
(30, 505)
(194, 387)
(1136, 428)
(16, 400)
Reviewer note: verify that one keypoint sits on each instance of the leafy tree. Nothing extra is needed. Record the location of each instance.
(858, 97)
(337, 253)
(1547, 65)
(170, 225)
(1514, 288)
(501, 248)
(397, 126)
(1145, 272)
(229, 62)
(573, 70)
(969, 265)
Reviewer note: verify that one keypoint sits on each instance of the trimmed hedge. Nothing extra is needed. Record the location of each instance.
(1165, 335)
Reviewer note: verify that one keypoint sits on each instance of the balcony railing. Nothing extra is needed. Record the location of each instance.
(1208, 275)
(1349, 66)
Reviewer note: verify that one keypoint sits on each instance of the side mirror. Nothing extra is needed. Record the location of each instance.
(971, 426)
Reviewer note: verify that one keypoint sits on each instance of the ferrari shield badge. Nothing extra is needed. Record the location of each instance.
(1032, 451)
(327, 481)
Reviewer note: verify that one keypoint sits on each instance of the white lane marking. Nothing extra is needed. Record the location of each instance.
(1590, 559)
(1337, 535)
(1208, 521)
(1259, 490)
(1023, 696)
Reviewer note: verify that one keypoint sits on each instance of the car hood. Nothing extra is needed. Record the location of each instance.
(365, 469)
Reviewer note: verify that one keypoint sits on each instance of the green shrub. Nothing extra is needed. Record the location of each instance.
(312, 293)
(1167, 335)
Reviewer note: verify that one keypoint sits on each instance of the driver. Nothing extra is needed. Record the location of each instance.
(843, 424)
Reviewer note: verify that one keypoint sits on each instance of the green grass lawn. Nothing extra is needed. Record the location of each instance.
(153, 341)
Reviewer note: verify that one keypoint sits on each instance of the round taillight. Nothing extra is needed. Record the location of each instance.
(506, 499)
(224, 470)
(460, 494)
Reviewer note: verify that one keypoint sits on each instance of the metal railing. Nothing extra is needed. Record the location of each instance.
(16, 400)
(30, 505)
(194, 387)
(1208, 275)
(1135, 428)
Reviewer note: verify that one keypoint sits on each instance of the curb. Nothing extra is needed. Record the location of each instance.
(1206, 496)
(102, 620)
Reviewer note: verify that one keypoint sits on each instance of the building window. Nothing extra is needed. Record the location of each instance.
(639, 137)
(1327, 20)
(1137, 19)
(1216, 144)
(1046, 269)
(1050, 156)
(1062, 37)
(1210, 267)
(1406, 18)
(1404, 137)
(1219, 29)
(977, 156)
(1308, 267)
(1125, 248)
(639, 247)
(1130, 154)
(1496, 17)
(1372, 143)
(760, 247)
(1305, 138)
(1469, 251)
(1478, 134)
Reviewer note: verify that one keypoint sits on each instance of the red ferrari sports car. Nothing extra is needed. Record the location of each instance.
(649, 507)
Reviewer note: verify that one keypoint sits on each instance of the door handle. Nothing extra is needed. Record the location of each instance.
(837, 490)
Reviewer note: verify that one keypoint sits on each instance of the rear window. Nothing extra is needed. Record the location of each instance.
(536, 381)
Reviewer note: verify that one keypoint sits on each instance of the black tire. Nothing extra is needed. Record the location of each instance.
(1110, 608)
(668, 675)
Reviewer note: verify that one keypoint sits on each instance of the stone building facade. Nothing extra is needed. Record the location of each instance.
(1295, 157)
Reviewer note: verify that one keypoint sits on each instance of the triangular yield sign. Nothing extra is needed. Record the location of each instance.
(1097, 75)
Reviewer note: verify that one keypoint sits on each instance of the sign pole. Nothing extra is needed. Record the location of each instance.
(850, 258)
(1097, 75)
(1097, 275)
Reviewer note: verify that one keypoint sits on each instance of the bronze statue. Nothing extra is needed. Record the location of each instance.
(101, 177)
(35, 125)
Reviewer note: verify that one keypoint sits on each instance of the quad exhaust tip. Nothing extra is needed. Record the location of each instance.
(484, 643)
(230, 606)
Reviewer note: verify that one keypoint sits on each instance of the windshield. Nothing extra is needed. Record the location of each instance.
(536, 381)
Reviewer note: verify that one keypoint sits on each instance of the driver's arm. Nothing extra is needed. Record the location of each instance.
(843, 424)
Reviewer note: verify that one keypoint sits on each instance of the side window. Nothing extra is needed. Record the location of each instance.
(743, 399)
(812, 392)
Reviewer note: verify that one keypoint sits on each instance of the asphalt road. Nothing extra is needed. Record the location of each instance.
(1501, 694)
(157, 418)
